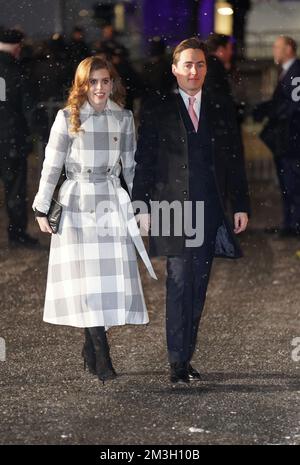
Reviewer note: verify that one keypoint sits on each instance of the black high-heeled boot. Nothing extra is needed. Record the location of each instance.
(88, 353)
(104, 368)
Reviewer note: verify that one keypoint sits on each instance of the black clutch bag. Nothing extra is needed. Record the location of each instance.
(54, 215)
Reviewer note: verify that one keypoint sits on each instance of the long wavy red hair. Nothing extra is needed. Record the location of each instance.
(78, 92)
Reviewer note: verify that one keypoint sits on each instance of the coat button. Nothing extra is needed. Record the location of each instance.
(115, 139)
(88, 171)
(92, 211)
(108, 170)
(185, 192)
(183, 166)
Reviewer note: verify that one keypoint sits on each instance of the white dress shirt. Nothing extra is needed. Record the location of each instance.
(197, 103)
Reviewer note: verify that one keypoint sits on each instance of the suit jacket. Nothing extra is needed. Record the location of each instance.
(282, 131)
(162, 171)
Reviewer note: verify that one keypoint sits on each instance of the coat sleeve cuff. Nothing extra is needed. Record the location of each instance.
(38, 213)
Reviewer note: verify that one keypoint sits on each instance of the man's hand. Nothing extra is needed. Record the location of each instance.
(44, 224)
(144, 221)
(240, 222)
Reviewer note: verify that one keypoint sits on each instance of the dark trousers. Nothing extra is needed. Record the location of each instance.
(13, 173)
(187, 281)
(288, 172)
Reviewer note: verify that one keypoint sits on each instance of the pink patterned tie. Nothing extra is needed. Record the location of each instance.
(192, 112)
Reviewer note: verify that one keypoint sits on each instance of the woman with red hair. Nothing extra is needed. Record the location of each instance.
(93, 278)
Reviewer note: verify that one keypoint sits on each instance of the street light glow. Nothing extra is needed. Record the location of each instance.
(225, 11)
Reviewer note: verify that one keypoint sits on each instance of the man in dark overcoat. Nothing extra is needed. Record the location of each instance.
(281, 133)
(189, 157)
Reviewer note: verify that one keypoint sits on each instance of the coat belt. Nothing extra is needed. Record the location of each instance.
(100, 176)
(128, 217)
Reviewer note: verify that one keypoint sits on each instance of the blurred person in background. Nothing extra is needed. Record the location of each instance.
(281, 134)
(131, 79)
(219, 78)
(77, 49)
(156, 74)
(220, 49)
(108, 41)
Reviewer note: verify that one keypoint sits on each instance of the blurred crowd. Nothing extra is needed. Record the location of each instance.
(37, 79)
(50, 65)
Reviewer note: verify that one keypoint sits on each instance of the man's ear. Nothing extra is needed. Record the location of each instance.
(174, 70)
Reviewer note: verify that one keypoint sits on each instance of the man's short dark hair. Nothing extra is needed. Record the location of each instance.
(192, 42)
(215, 41)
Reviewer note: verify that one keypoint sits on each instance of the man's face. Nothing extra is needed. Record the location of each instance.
(280, 51)
(190, 70)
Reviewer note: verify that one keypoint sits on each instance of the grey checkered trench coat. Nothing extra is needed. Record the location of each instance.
(93, 277)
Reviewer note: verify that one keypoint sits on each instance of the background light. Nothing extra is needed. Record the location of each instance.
(225, 11)
(223, 18)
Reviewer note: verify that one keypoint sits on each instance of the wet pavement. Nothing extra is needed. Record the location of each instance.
(250, 387)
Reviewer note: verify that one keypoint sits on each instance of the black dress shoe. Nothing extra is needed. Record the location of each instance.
(23, 240)
(193, 373)
(179, 373)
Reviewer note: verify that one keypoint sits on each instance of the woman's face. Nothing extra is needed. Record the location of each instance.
(100, 87)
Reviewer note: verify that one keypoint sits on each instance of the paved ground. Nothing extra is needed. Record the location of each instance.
(251, 385)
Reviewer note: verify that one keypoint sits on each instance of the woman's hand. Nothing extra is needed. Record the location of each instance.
(44, 224)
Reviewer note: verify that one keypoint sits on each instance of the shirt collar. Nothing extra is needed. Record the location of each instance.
(186, 97)
(288, 64)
